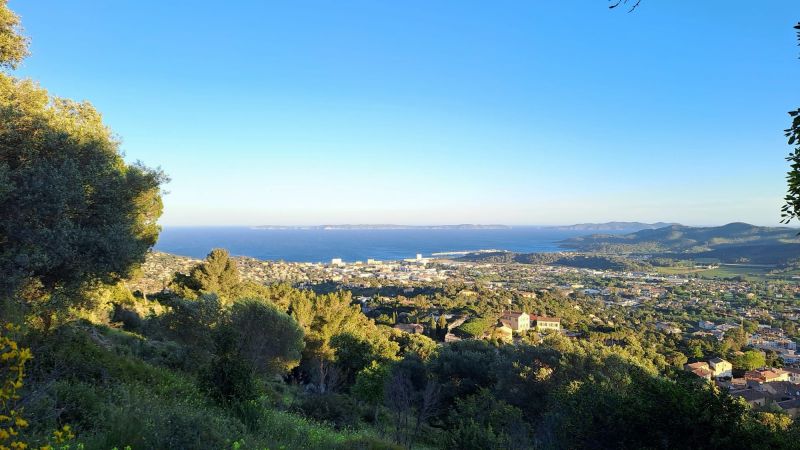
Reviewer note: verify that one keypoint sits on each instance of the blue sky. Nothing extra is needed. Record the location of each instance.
(431, 112)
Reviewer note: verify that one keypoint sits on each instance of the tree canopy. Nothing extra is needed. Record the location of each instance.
(791, 210)
(74, 212)
(13, 44)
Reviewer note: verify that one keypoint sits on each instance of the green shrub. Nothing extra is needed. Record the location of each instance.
(336, 409)
(475, 327)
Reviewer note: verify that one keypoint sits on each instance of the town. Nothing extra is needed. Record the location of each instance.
(694, 324)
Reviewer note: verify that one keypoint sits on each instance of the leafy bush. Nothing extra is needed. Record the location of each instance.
(475, 327)
(336, 409)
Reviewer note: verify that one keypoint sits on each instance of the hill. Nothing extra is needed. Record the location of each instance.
(596, 262)
(734, 242)
(614, 226)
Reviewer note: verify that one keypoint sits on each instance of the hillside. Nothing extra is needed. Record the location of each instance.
(614, 226)
(734, 242)
(596, 262)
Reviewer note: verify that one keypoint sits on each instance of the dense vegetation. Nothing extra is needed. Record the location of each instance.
(592, 261)
(216, 361)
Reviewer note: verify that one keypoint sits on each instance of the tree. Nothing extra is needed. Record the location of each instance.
(482, 421)
(218, 274)
(191, 323)
(13, 45)
(354, 352)
(418, 344)
(323, 317)
(267, 338)
(441, 328)
(369, 385)
(475, 327)
(749, 360)
(75, 214)
(399, 397)
(791, 210)
(253, 339)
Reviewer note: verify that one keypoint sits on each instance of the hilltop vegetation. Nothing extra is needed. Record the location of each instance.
(731, 243)
(596, 262)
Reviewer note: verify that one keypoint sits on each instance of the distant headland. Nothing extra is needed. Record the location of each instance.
(608, 226)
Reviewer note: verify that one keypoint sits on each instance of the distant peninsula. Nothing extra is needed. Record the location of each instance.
(614, 226)
(382, 227)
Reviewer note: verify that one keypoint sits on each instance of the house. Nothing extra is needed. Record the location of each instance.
(706, 325)
(766, 375)
(751, 396)
(721, 368)
(790, 407)
(794, 375)
(519, 322)
(696, 365)
(780, 390)
(738, 383)
(667, 328)
(450, 337)
(547, 323)
(413, 328)
(700, 369)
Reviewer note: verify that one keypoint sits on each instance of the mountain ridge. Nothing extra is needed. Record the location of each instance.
(733, 242)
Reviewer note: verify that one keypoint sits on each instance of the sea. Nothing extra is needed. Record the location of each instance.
(319, 245)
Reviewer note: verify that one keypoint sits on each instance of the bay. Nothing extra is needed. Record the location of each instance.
(315, 245)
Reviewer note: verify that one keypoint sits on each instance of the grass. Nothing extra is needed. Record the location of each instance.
(749, 272)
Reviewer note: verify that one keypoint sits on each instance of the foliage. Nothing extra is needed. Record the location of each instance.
(267, 338)
(229, 377)
(190, 322)
(338, 410)
(412, 343)
(369, 385)
(482, 421)
(12, 373)
(217, 275)
(354, 352)
(75, 214)
(115, 399)
(13, 45)
(749, 360)
(644, 410)
(475, 327)
(791, 209)
(323, 318)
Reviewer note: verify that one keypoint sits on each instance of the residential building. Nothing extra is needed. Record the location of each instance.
(547, 323)
(767, 375)
(517, 321)
(700, 369)
(751, 396)
(413, 328)
(790, 407)
(721, 368)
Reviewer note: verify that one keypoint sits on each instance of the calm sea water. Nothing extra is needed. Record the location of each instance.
(353, 245)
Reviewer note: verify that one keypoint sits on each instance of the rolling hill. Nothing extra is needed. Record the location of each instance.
(734, 242)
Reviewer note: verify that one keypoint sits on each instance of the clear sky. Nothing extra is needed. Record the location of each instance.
(433, 112)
